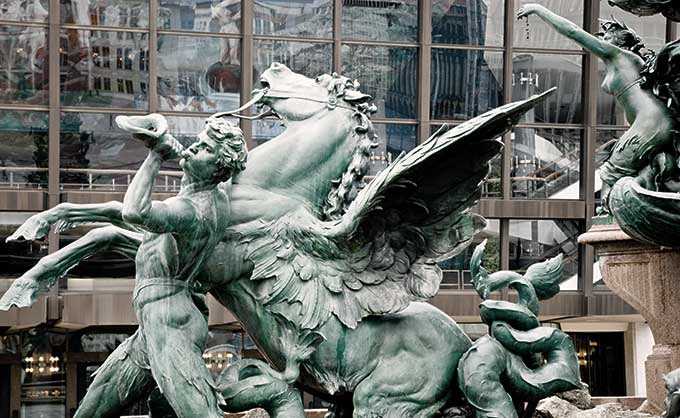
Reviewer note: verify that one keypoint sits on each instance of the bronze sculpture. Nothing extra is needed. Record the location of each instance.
(331, 289)
(640, 177)
(669, 8)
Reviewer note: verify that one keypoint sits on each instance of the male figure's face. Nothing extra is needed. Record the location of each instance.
(199, 161)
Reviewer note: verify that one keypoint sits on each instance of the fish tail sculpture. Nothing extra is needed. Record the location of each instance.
(519, 360)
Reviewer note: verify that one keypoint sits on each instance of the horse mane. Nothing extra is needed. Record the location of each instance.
(340, 195)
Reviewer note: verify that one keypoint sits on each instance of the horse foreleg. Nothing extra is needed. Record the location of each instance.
(24, 290)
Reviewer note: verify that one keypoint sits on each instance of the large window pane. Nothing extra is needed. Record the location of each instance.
(23, 148)
(198, 74)
(310, 19)
(309, 59)
(533, 241)
(465, 84)
(457, 273)
(536, 73)
(23, 65)
(97, 155)
(537, 33)
(393, 139)
(104, 69)
(474, 22)
(118, 13)
(386, 73)
(380, 20)
(545, 163)
(25, 11)
(219, 16)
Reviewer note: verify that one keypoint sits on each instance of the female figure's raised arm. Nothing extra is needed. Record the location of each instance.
(600, 48)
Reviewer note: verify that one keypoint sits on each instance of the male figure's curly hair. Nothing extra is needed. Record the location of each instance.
(622, 36)
(233, 151)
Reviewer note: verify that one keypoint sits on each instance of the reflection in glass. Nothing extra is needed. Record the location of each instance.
(104, 69)
(475, 22)
(97, 155)
(380, 20)
(537, 33)
(24, 10)
(17, 257)
(306, 58)
(533, 241)
(393, 139)
(23, 65)
(218, 16)
(23, 147)
(536, 73)
(118, 13)
(457, 269)
(198, 74)
(465, 84)
(386, 73)
(312, 19)
(545, 163)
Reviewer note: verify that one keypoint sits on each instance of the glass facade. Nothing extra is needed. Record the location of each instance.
(63, 81)
(196, 58)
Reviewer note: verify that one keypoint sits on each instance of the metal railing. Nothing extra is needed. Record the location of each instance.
(167, 180)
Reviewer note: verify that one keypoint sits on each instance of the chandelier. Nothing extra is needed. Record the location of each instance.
(41, 364)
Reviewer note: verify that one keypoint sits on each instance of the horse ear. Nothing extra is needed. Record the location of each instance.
(354, 96)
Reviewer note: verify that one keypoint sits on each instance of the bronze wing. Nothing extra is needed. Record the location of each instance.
(383, 253)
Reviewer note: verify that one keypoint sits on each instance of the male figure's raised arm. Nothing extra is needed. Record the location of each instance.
(173, 215)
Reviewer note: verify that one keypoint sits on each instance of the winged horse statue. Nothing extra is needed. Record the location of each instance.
(331, 288)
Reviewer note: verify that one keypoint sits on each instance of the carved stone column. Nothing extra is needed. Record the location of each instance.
(647, 278)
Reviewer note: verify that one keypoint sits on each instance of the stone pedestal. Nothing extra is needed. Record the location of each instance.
(648, 278)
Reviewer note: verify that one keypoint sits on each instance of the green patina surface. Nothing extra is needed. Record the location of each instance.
(329, 280)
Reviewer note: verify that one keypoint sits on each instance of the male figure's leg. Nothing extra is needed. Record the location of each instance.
(175, 333)
(118, 383)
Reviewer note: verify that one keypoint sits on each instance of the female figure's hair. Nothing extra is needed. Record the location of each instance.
(622, 36)
(233, 151)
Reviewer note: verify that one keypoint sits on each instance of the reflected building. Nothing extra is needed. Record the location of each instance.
(534, 203)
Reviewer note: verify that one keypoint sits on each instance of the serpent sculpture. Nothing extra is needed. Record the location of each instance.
(519, 361)
(333, 289)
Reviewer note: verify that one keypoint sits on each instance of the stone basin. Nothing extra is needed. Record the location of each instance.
(647, 278)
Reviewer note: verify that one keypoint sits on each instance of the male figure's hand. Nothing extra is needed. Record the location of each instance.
(153, 131)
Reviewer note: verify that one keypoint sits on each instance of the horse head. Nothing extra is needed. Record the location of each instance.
(295, 97)
(329, 133)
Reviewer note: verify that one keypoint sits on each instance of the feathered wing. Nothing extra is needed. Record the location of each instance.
(382, 254)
